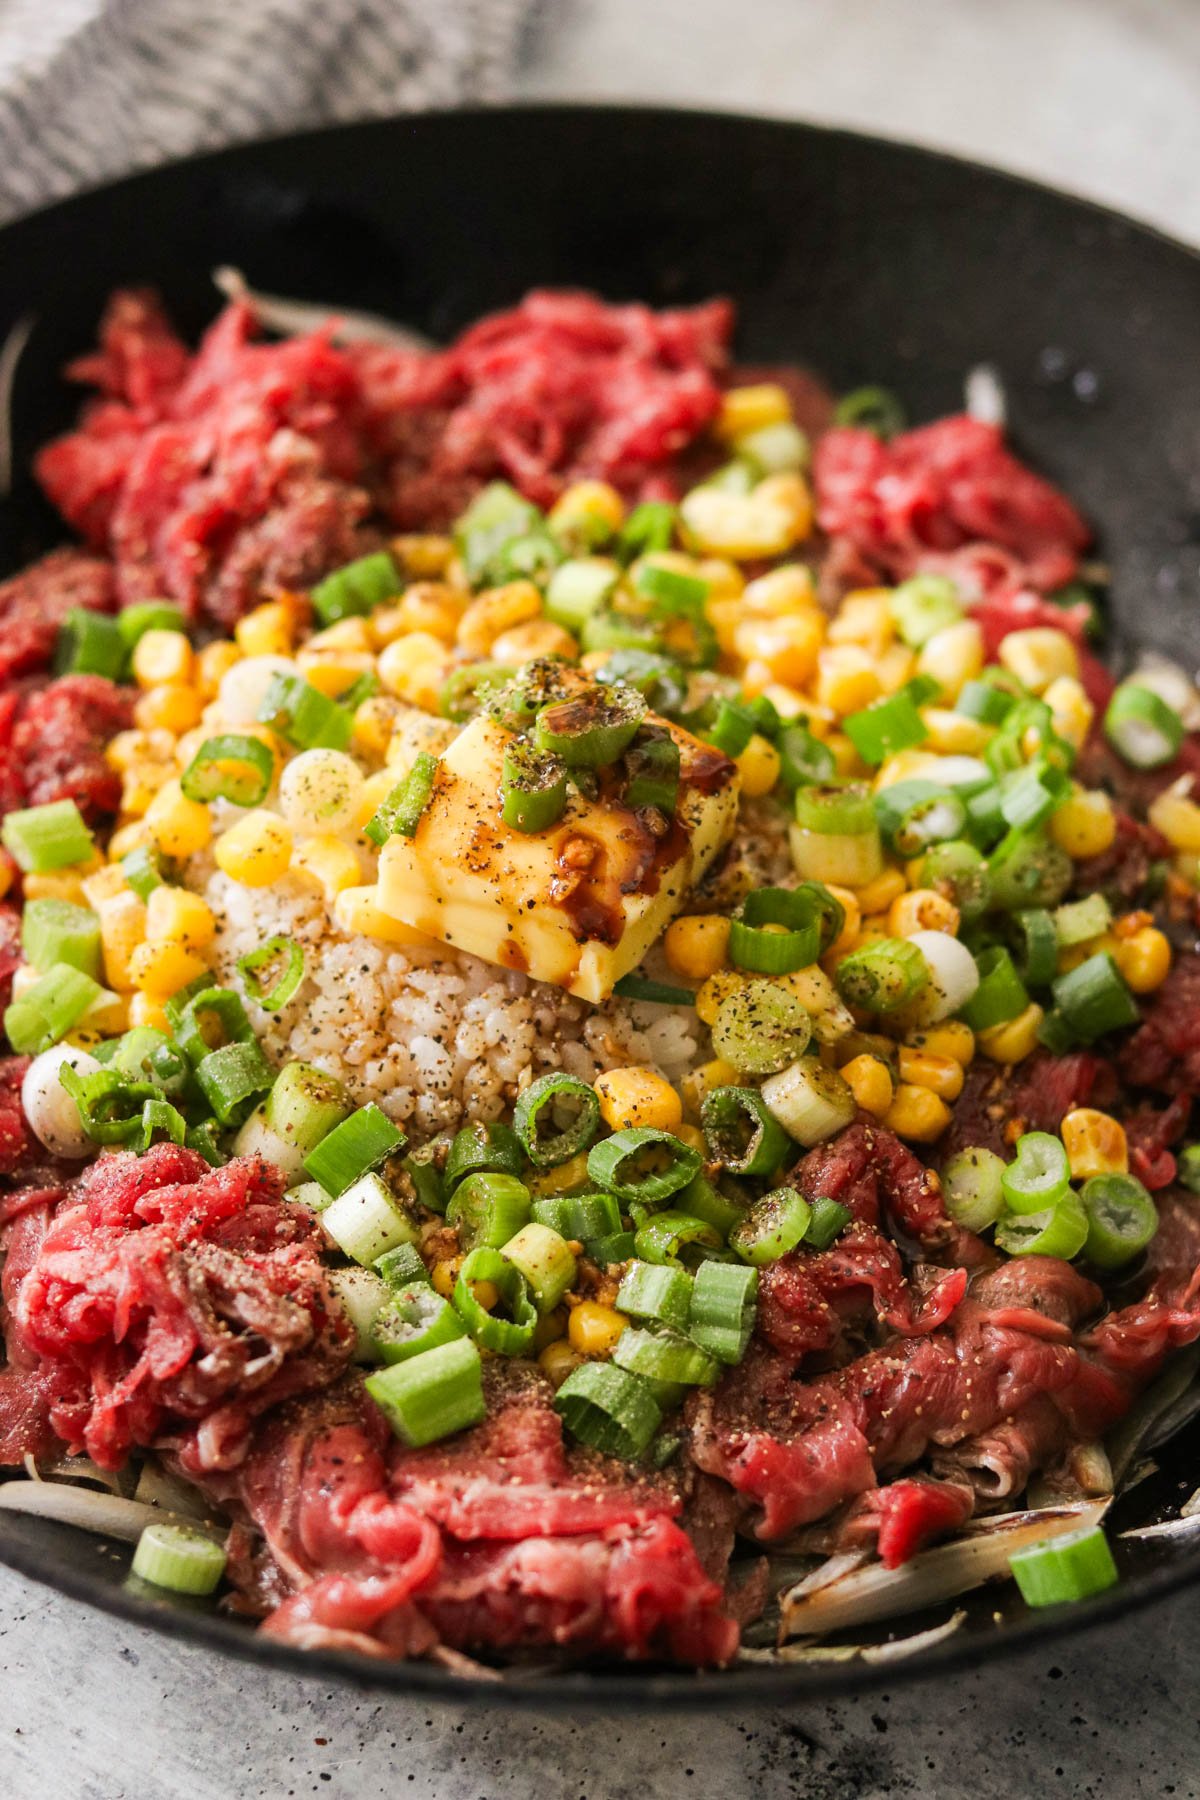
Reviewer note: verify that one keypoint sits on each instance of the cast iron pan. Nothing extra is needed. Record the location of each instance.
(868, 261)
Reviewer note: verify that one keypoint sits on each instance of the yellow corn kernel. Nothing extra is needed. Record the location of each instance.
(952, 1038)
(879, 894)
(894, 666)
(594, 1329)
(140, 784)
(212, 663)
(1144, 959)
(257, 850)
(943, 1075)
(375, 790)
(847, 899)
(132, 836)
(953, 656)
(333, 671)
(160, 656)
(267, 631)
(697, 945)
(698, 1083)
(1070, 709)
(180, 827)
(537, 637)
(586, 500)
(1039, 656)
(917, 1113)
(173, 707)
(725, 580)
(357, 910)
(846, 678)
(426, 606)
(716, 990)
(414, 668)
(787, 589)
(1095, 1143)
(423, 554)
(566, 1178)
(374, 721)
(1177, 816)
(557, 1361)
(174, 914)
(924, 909)
(353, 634)
(494, 611)
(953, 734)
(637, 1097)
(746, 409)
(147, 1009)
(130, 748)
(1015, 1040)
(162, 969)
(1085, 824)
(444, 1274)
(758, 766)
(328, 861)
(871, 1083)
(769, 521)
(865, 618)
(1072, 955)
(109, 1014)
(122, 929)
(786, 647)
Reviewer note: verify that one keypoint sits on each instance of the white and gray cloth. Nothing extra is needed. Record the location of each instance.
(93, 89)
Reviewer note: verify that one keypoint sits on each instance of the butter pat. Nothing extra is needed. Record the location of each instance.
(577, 905)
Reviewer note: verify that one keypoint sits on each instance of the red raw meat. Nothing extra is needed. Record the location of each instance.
(34, 603)
(806, 1299)
(59, 738)
(867, 1168)
(901, 1518)
(1164, 1052)
(997, 1104)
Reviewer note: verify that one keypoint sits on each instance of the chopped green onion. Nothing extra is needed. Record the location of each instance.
(885, 974)
(1059, 1230)
(774, 1225)
(431, 1395)
(305, 1105)
(652, 771)
(1188, 1171)
(957, 869)
(649, 528)
(885, 727)
(1069, 1567)
(412, 1321)
(1028, 872)
(1055, 1034)
(405, 806)
(496, 516)
(178, 1559)
(283, 950)
(829, 1219)
(874, 409)
(110, 1107)
(984, 701)
(1081, 920)
(701, 1200)
(576, 588)
(366, 1220)
(723, 1307)
(1001, 993)
(676, 592)
(465, 691)
(657, 677)
(362, 1295)
(142, 871)
(232, 767)
(58, 931)
(303, 715)
(915, 814)
(483, 1149)
(656, 993)
(90, 643)
(775, 449)
(664, 1355)
(616, 1247)
(511, 1336)
(811, 1102)
(761, 1027)
(145, 1054)
(488, 1209)
(1030, 795)
(732, 728)
(357, 588)
(609, 1409)
(803, 758)
(210, 1018)
(836, 835)
(358, 1144)
(423, 1166)
(46, 1011)
(922, 606)
(546, 1261)
(232, 1078)
(660, 1293)
(1143, 730)
(40, 838)
(972, 1188)
(741, 1133)
(1038, 1176)
(663, 1236)
(590, 729)
(309, 1194)
(159, 1117)
(203, 1140)
(555, 1118)
(642, 1163)
(578, 1217)
(1093, 998)
(1035, 941)
(533, 790)
(134, 622)
(755, 942)
(1122, 1219)
(400, 1267)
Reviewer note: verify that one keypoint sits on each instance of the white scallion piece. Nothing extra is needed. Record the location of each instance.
(290, 317)
(984, 396)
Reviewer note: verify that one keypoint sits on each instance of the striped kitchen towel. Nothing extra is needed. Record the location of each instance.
(91, 89)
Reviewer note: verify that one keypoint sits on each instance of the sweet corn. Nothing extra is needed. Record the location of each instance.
(173, 913)
(848, 900)
(423, 554)
(374, 721)
(697, 945)
(160, 656)
(56, 884)
(333, 671)
(585, 501)
(715, 991)
(147, 1009)
(1177, 816)
(594, 1329)
(953, 734)
(1095, 1143)
(699, 1083)
(267, 631)
(568, 1178)
(1013, 1041)
(758, 766)
(864, 618)
(357, 910)
(173, 707)
(638, 1097)
(414, 668)
(846, 678)
(329, 862)
(161, 969)
(871, 1084)
(953, 656)
(725, 580)
(943, 1075)
(212, 663)
(894, 666)
(917, 1113)
(1070, 709)
(1144, 959)
(108, 1015)
(787, 589)
(1072, 955)
(923, 909)
(786, 648)
(494, 611)
(375, 790)
(444, 1274)
(132, 836)
(537, 637)
(880, 893)
(180, 827)
(769, 521)
(256, 851)
(952, 1038)
(1085, 824)
(558, 1359)
(129, 748)
(122, 929)
(1039, 656)
(746, 409)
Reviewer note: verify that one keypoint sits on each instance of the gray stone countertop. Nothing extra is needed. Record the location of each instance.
(1099, 96)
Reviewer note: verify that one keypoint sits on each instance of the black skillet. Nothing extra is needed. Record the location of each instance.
(868, 261)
